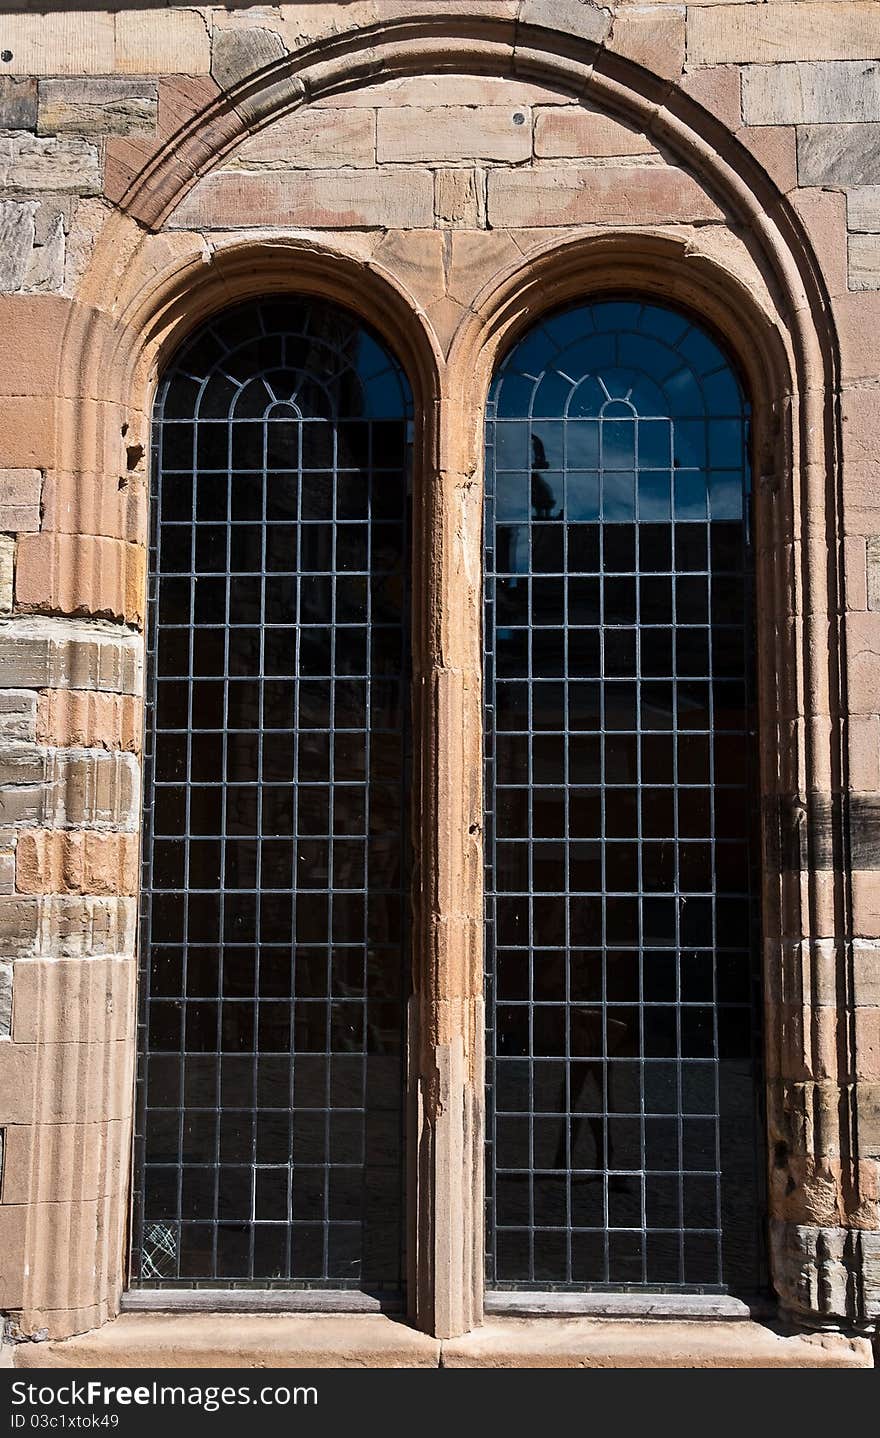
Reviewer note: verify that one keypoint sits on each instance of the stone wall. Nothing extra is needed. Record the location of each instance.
(437, 160)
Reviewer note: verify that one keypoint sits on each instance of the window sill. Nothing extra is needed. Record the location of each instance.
(212, 1340)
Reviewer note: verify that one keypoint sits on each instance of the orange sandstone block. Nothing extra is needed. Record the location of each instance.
(89, 720)
(80, 574)
(54, 861)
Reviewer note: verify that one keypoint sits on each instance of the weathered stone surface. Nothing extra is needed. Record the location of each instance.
(37, 653)
(202, 1340)
(311, 140)
(785, 30)
(237, 53)
(87, 719)
(839, 155)
(864, 262)
(584, 132)
(162, 41)
(18, 103)
(16, 242)
(98, 107)
(615, 195)
(5, 1000)
(39, 163)
(426, 91)
(454, 132)
(618, 1343)
(52, 861)
(315, 199)
(863, 208)
(45, 271)
(72, 42)
(20, 499)
(820, 92)
(460, 198)
(7, 572)
(18, 716)
(573, 17)
(80, 573)
(92, 788)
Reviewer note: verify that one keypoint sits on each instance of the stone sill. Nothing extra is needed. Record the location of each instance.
(332, 1340)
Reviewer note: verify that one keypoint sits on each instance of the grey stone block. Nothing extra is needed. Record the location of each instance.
(98, 107)
(838, 155)
(18, 102)
(863, 209)
(16, 242)
(571, 17)
(864, 274)
(817, 92)
(235, 54)
(36, 163)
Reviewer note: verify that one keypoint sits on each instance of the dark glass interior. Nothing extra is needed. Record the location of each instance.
(621, 890)
(276, 874)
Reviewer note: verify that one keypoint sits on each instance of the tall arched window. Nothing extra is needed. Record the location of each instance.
(276, 872)
(621, 911)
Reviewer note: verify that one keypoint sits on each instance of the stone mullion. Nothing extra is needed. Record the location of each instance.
(447, 1032)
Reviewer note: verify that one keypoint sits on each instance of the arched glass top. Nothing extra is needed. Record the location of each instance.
(622, 389)
(281, 359)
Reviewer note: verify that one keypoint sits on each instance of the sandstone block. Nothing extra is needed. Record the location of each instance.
(18, 716)
(22, 804)
(872, 548)
(312, 140)
(75, 926)
(70, 42)
(786, 30)
(80, 574)
(573, 17)
(427, 91)
(98, 107)
(20, 499)
(318, 199)
(44, 163)
(91, 787)
(162, 42)
(237, 53)
(460, 199)
(67, 1000)
(83, 719)
(7, 572)
(453, 132)
(562, 133)
(18, 103)
(5, 1000)
(22, 764)
(38, 653)
(95, 1155)
(16, 242)
(19, 924)
(31, 370)
(653, 37)
(863, 208)
(607, 195)
(839, 155)
(54, 861)
(864, 262)
(821, 92)
(13, 1251)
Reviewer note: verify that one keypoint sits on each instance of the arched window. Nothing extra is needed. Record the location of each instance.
(622, 908)
(274, 940)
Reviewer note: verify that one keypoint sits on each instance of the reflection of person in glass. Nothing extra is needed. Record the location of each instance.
(542, 495)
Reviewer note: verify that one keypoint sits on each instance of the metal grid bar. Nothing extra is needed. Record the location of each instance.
(621, 909)
(274, 932)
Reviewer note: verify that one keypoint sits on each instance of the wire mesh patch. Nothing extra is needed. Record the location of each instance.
(276, 871)
(621, 919)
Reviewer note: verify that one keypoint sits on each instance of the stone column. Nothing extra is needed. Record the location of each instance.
(446, 1061)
